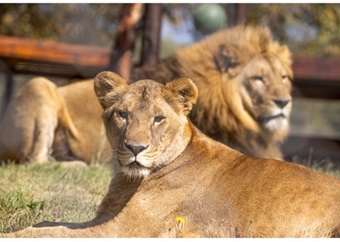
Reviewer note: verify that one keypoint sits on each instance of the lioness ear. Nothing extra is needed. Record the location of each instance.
(109, 87)
(186, 92)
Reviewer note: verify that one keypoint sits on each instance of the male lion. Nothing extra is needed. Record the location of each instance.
(244, 81)
(172, 180)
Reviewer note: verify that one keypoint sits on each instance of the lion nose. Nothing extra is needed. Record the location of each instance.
(136, 149)
(281, 103)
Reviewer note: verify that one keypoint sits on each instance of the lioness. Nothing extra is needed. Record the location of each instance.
(244, 81)
(172, 180)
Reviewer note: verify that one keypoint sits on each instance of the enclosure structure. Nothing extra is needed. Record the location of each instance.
(314, 77)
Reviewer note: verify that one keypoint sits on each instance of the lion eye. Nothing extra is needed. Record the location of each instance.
(257, 78)
(122, 114)
(284, 78)
(158, 119)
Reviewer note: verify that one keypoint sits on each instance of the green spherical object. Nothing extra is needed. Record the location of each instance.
(209, 18)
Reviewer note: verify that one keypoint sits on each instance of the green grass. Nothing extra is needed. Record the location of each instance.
(32, 193)
(325, 166)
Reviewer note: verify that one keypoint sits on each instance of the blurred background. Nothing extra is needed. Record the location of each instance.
(309, 30)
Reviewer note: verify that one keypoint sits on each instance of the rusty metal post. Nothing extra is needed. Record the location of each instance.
(151, 34)
(125, 39)
(7, 93)
(236, 13)
(241, 13)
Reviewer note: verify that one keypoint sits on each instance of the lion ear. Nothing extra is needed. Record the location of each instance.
(227, 60)
(185, 91)
(109, 87)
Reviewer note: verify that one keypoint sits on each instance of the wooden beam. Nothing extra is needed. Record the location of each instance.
(24, 49)
(27, 56)
(317, 68)
(316, 77)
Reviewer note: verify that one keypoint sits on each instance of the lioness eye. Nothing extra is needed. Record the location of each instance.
(122, 114)
(159, 119)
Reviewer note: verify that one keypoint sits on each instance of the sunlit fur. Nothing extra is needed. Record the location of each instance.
(231, 107)
(194, 186)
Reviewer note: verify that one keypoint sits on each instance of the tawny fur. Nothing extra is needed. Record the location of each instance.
(222, 66)
(215, 190)
(27, 130)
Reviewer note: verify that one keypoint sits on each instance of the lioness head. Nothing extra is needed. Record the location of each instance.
(146, 122)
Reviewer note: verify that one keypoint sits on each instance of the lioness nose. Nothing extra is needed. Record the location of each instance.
(136, 149)
(281, 103)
